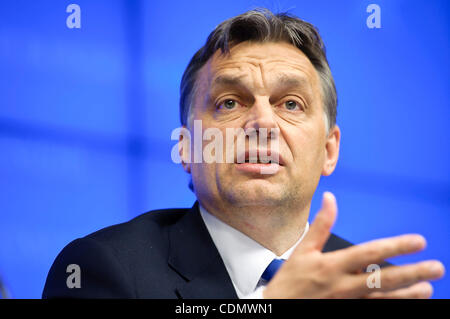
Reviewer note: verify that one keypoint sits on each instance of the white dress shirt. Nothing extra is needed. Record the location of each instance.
(244, 258)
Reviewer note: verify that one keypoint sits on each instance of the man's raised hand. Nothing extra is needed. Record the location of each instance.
(309, 273)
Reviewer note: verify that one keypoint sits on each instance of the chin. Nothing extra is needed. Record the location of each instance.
(255, 192)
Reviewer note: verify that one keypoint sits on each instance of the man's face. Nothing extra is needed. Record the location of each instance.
(262, 85)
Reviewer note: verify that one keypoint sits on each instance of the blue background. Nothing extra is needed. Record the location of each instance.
(86, 116)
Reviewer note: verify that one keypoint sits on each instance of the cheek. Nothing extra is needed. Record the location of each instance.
(306, 147)
(204, 174)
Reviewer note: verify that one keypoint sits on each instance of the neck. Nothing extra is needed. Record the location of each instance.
(276, 228)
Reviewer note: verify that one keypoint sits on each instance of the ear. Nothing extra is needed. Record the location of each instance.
(331, 150)
(184, 149)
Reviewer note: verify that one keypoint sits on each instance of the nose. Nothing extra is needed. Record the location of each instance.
(261, 115)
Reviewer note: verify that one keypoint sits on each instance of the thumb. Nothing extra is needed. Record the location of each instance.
(320, 229)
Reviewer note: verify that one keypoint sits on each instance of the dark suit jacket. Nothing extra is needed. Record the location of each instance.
(160, 254)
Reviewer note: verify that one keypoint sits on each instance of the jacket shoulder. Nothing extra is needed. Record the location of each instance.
(111, 258)
(145, 226)
(335, 242)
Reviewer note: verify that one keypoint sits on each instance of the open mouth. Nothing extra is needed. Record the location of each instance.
(260, 157)
(253, 161)
(260, 163)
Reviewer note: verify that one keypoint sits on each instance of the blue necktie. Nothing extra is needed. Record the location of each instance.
(272, 269)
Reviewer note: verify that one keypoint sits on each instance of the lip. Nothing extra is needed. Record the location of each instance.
(260, 168)
(257, 168)
(268, 153)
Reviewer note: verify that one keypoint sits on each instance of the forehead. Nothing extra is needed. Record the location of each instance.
(270, 59)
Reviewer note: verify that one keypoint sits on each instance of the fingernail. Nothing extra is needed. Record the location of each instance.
(329, 195)
(436, 269)
(426, 289)
(416, 242)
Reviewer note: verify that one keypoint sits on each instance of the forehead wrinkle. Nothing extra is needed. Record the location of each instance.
(231, 61)
(254, 70)
(255, 60)
(263, 78)
(235, 75)
(290, 56)
(308, 71)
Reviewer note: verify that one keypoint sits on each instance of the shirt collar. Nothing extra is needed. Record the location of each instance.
(244, 258)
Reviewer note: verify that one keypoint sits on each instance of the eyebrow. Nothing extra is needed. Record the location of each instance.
(227, 80)
(285, 82)
(290, 81)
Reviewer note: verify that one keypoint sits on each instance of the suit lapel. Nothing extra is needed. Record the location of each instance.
(194, 256)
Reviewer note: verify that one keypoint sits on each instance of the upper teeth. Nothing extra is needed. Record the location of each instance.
(258, 161)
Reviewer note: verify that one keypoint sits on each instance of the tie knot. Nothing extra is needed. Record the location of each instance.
(272, 269)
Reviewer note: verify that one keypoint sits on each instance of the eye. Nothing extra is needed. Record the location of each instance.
(228, 104)
(292, 105)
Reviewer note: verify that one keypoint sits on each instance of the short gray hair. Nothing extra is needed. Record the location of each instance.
(261, 25)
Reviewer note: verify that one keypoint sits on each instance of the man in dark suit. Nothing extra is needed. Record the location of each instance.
(248, 234)
(160, 254)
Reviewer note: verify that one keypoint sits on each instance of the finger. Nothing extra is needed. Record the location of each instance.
(396, 277)
(421, 290)
(360, 256)
(319, 231)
